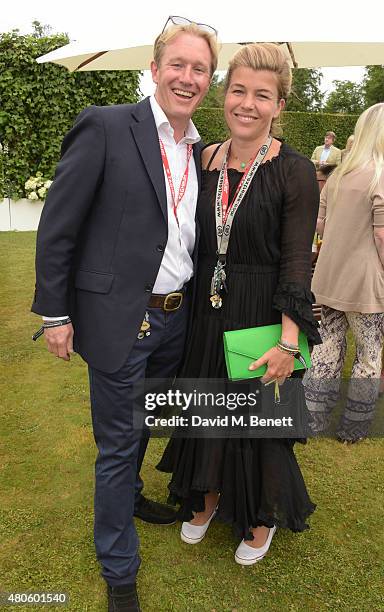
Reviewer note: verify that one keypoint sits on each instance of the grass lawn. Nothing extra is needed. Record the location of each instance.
(46, 490)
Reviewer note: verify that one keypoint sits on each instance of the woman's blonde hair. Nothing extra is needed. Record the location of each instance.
(368, 146)
(192, 28)
(349, 143)
(264, 56)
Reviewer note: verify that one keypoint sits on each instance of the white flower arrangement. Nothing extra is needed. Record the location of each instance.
(36, 187)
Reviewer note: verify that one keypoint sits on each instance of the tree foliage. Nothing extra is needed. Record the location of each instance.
(306, 94)
(346, 97)
(38, 103)
(215, 95)
(373, 84)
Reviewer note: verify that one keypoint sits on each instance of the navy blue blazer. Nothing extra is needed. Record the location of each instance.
(104, 229)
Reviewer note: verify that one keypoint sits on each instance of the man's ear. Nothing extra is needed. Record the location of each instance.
(279, 108)
(154, 71)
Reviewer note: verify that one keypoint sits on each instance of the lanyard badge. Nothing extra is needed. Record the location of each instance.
(183, 182)
(225, 213)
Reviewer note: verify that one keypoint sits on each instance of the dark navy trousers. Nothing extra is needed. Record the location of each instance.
(122, 445)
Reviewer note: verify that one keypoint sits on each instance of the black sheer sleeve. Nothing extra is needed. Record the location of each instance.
(293, 296)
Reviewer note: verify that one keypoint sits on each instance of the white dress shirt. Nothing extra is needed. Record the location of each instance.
(176, 266)
(325, 154)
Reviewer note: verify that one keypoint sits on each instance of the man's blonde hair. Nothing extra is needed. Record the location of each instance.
(264, 56)
(192, 28)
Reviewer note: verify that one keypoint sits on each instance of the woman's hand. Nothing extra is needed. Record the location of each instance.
(279, 365)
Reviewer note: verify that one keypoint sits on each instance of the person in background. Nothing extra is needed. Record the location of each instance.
(327, 155)
(348, 147)
(349, 283)
(325, 158)
(254, 484)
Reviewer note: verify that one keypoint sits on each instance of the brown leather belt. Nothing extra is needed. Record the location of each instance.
(169, 302)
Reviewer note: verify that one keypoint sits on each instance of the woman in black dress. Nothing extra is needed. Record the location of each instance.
(254, 484)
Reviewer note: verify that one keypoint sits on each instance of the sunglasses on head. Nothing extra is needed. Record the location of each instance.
(177, 20)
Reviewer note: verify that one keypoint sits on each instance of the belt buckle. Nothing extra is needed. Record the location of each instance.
(176, 294)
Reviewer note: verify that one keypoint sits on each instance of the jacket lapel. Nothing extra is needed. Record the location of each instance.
(147, 141)
(332, 156)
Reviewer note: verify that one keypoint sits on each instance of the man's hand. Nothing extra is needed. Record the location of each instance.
(60, 340)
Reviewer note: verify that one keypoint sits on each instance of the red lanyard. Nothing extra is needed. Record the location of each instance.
(183, 182)
(225, 192)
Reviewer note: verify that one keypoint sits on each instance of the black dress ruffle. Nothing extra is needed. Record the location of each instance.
(268, 273)
(296, 302)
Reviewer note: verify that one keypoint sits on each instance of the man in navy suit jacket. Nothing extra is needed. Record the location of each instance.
(114, 255)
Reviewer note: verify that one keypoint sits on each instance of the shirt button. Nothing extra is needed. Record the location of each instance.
(160, 248)
(148, 288)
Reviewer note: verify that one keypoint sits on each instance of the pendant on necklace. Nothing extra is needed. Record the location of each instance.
(217, 284)
(216, 301)
(242, 165)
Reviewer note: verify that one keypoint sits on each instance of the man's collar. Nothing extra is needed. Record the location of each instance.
(191, 134)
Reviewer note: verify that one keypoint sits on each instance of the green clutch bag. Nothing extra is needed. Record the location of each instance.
(243, 346)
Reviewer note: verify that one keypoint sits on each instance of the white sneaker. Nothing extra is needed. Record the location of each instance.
(248, 555)
(193, 534)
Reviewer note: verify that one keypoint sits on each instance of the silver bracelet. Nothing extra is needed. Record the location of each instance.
(288, 346)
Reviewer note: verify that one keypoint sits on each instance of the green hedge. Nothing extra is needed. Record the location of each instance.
(303, 131)
(38, 103)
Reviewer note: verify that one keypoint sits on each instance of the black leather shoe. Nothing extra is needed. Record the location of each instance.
(153, 512)
(123, 598)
